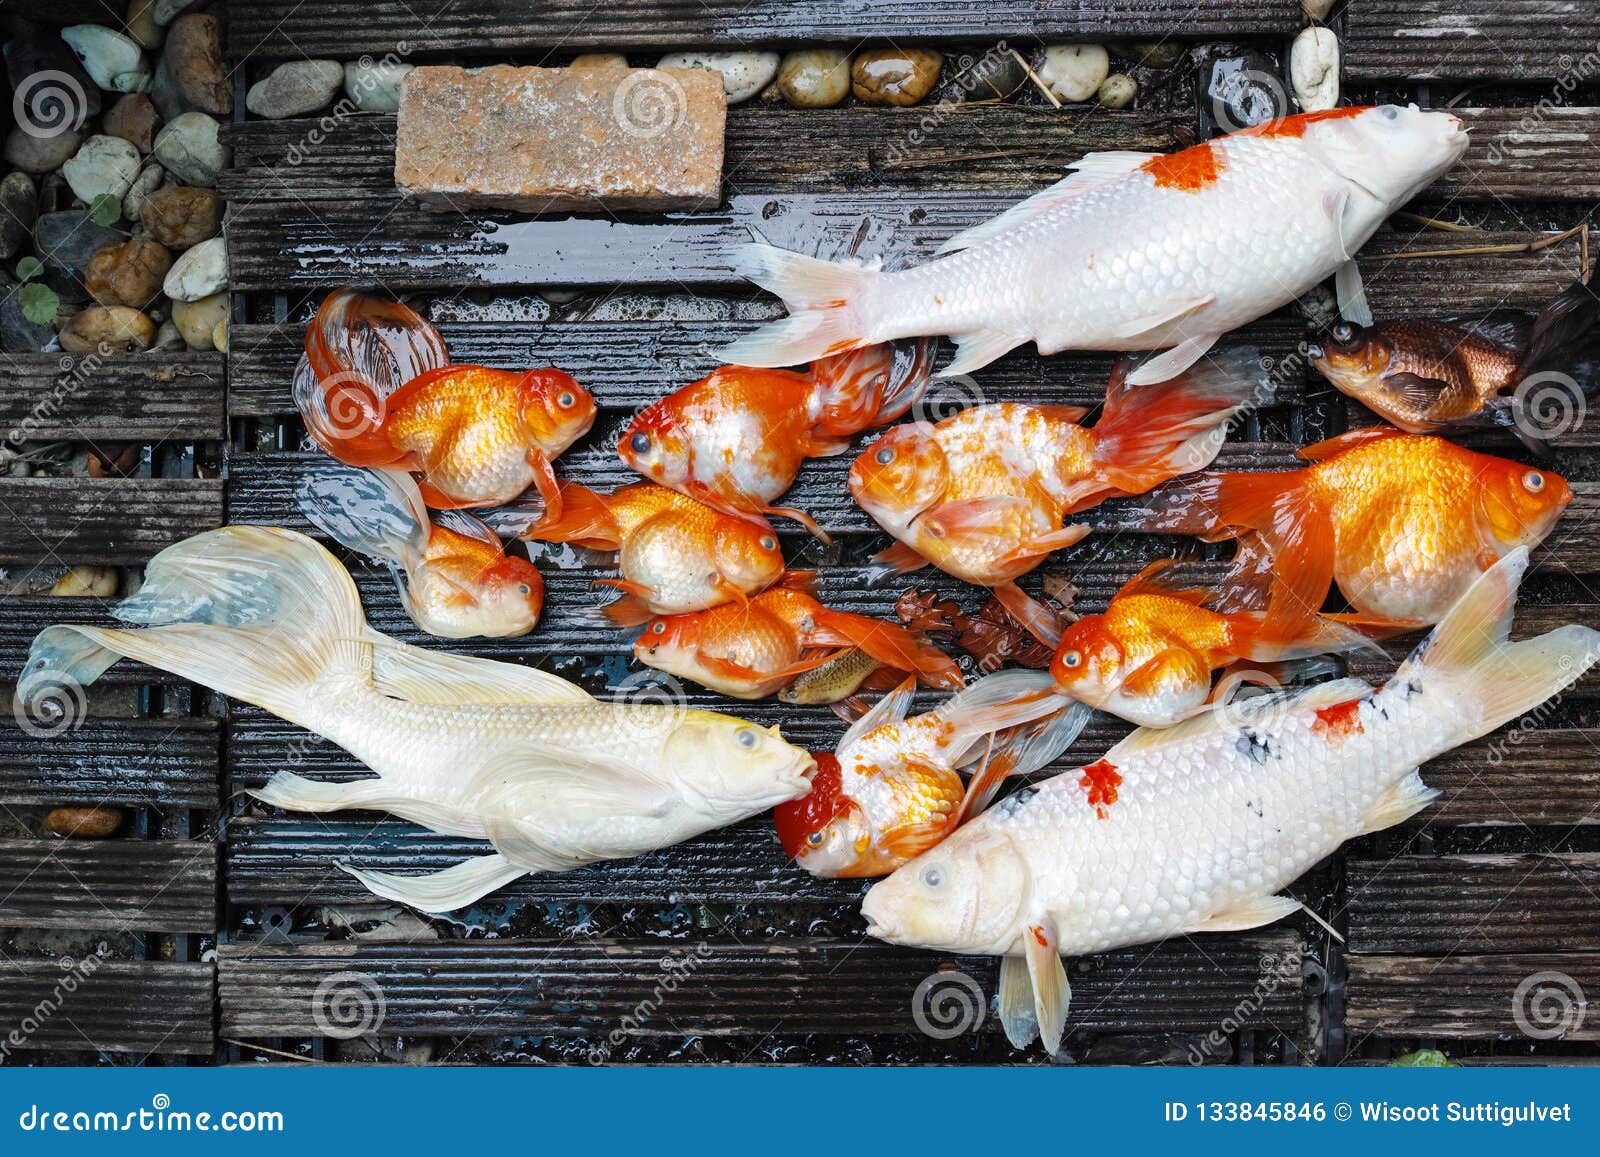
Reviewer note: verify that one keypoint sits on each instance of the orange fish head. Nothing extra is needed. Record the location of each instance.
(1353, 357)
(1088, 660)
(513, 591)
(1521, 503)
(655, 445)
(747, 553)
(900, 475)
(556, 410)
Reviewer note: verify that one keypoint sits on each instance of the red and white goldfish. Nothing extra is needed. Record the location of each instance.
(1200, 827)
(1403, 522)
(736, 438)
(982, 495)
(1149, 657)
(477, 436)
(751, 650)
(676, 554)
(1132, 251)
(892, 789)
(454, 576)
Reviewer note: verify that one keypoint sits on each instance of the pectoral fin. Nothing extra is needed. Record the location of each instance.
(1016, 1002)
(1251, 913)
(446, 891)
(1402, 801)
(1052, 995)
(1353, 305)
(1175, 360)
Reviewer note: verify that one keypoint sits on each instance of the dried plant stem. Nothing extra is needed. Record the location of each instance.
(1487, 250)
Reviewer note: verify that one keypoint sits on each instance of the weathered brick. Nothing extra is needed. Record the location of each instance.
(556, 139)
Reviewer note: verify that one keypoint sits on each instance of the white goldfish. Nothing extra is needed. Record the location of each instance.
(1131, 251)
(551, 776)
(1197, 827)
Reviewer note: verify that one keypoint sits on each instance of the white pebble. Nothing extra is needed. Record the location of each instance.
(102, 165)
(377, 85)
(113, 61)
(1314, 69)
(743, 73)
(1074, 72)
(199, 272)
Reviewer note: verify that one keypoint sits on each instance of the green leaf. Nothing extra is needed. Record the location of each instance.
(106, 209)
(29, 268)
(1423, 1059)
(39, 302)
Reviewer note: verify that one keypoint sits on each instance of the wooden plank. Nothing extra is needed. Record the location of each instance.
(1543, 154)
(628, 365)
(492, 988)
(1478, 40)
(1471, 997)
(124, 885)
(116, 1006)
(169, 762)
(1445, 905)
(103, 521)
(998, 146)
(148, 398)
(286, 28)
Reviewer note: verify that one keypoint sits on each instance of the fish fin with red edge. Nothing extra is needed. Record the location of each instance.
(1150, 581)
(1322, 635)
(804, 581)
(1052, 993)
(899, 559)
(800, 516)
(633, 608)
(1349, 440)
(908, 841)
(1064, 413)
(545, 482)
(464, 524)
(861, 388)
(585, 519)
(1036, 618)
(1174, 665)
(889, 643)
(968, 517)
(1020, 750)
(1042, 545)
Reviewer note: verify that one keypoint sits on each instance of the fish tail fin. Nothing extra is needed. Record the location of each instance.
(344, 412)
(825, 301)
(889, 643)
(1255, 639)
(1148, 434)
(586, 519)
(254, 612)
(1019, 750)
(870, 386)
(996, 702)
(1487, 679)
(1560, 371)
(378, 513)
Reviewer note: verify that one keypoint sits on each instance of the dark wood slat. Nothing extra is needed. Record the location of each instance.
(628, 365)
(1532, 153)
(126, 885)
(27, 615)
(847, 149)
(103, 520)
(1465, 997)
(149, 398)
(1443, 905)
(118, 1006)
(274, 28)
(491, 988)
(1513, 40)
(129, 762)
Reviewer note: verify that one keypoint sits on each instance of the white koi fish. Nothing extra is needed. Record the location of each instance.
(1197, 827)
(1131, 251)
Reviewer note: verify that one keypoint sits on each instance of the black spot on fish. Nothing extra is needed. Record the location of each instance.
(1251, 805)
(1254, 746)
(1014, 802)
(1412, 689)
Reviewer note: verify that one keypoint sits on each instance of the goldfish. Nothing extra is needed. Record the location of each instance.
(753, 649)
(737, 438)
(1402, 522)
(1149, 657)
(676, 553)
(1200, 827)
(983, 494)
(836, 680)
(1131, 251)
(892, 788)
(550, 776)
(1424, 376)
(453, 574)
(477, 436)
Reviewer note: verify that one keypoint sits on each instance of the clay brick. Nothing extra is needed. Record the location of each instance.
(559, 139)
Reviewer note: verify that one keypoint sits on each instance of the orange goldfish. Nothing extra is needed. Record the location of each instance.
(454, 576)
(1149, 657)
(982, 494)
(736, 438)
(676, 554)
(478, 436)
(1403, 523)
(753, 649)
(893, 788)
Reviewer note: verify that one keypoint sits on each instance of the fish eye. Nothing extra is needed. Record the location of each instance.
(566, 400)
(932, 877)
(524, 589)
(884, 456)
(658, 628)
(1533, 482)
(746, 738)
(1344, 333)
(1071, 659)
(639, 443)
(815, 839)
(768, 542)
(1388, 112)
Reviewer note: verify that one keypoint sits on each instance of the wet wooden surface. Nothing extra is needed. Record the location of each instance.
(138, 1007)
(1472, 40)
(121, 885)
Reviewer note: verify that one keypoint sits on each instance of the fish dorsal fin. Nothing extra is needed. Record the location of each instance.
(890, 709)
(462, 523)
(1086, 173)
(420, 676)
(1153, 580)
(1149, 739)
(1349, 440)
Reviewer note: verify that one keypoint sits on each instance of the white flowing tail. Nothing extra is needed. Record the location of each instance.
(826, 307)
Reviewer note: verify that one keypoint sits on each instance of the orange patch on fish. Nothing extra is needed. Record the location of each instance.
(1039, 936)
(1296, 126)
(1189, 170)
(1101, 780)
(1341, 720)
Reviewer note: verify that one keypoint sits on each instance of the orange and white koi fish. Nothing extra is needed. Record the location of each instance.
(1132, 251)
(736, 438)
(893, 788)
(454, 576)
(982, 495)
(1200, 827)
(752, 650)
